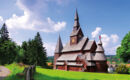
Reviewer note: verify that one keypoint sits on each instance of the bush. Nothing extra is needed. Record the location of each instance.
(129, 70)
(122, 69)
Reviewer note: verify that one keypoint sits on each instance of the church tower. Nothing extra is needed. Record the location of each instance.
(58, 50)
(100, 58)
(77, 33)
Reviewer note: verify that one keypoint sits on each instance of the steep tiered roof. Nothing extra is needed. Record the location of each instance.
(76, 47)
(100, 56)
(59, 46)
(76, 28)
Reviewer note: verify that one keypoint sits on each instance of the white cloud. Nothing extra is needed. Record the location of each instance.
(56, 26)
(19, 21)
(114, 38)
(50, 48)
(1, 20)
(25, 22)
(107, 41)
(30, 21)
(96, 32)
(108, 45)
(112, 49)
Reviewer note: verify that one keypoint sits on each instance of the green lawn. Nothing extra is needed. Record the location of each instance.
(14, 68)
(48, 74)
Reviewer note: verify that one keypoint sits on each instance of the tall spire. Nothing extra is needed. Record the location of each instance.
(59, 46)
(76, 21)
(76, 15)
(76, 28)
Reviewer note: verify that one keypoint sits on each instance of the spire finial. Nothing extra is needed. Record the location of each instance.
(59, 37)
(99, 37)
(76, 15)
(100, 42)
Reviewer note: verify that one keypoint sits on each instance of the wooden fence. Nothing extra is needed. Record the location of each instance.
(29, 72)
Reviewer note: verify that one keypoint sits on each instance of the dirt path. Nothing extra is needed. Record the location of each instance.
(4, 72)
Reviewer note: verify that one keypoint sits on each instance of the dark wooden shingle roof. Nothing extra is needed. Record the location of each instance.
(59, 46)
(76, 47)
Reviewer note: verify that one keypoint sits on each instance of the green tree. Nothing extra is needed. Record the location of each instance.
(8, 48)
(4, 33)
(34, 52)
(20, 54)
(25, 52)
(8, 52)
(123, 51)
(41, 51)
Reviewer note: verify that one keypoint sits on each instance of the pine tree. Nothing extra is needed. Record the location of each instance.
(4, 33)
(41, 51)
(34, 52)
(8, 48)
(8, 52)
(25, 49)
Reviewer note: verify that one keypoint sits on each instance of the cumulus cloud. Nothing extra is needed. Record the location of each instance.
(30, 19)
(114, 38)
(96, 32)
(24, 22)
(50, 48)
(111, 50)
(1, 20)
(105, 39)
(110, 42)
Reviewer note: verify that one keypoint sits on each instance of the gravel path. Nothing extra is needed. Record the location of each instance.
(4, 72)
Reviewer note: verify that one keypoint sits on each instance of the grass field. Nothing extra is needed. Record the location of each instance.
(48, 74)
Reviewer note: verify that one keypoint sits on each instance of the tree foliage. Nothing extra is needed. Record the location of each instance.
(34, 52)
(8, 48)
(124, 50)
(30, 52)
(4, 33)
(8, 52)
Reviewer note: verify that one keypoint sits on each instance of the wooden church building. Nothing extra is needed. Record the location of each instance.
(80, 53)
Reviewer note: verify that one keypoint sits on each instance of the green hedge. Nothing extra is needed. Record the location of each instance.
(122, 69)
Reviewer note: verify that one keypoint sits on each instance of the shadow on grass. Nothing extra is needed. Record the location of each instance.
(39, 76)
(14, 77)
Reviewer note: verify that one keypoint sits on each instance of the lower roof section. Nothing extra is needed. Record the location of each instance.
(68, 57)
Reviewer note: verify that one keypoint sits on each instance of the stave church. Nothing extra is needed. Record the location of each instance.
(80, 53)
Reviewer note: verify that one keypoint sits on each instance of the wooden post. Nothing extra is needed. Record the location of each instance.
(27, 74)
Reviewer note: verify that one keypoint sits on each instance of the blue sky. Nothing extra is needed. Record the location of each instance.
(108, 18)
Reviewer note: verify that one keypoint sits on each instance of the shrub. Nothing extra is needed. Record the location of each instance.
(129, 70)
(122, 69)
